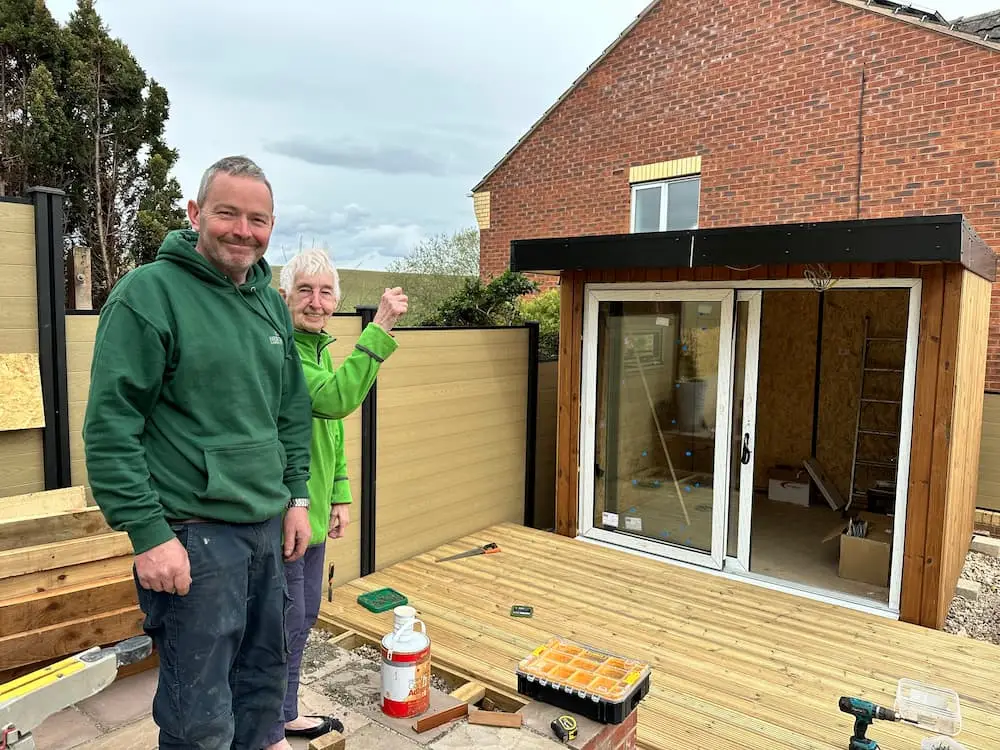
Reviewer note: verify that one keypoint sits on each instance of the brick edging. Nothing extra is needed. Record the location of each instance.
(988, 521)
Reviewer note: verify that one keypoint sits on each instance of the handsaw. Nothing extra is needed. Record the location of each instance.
(486, 549)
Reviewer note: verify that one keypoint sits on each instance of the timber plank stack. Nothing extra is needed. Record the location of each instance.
(65, 580)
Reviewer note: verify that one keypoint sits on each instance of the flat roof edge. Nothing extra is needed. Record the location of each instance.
(944, 238)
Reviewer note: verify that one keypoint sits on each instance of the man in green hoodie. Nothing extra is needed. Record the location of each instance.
(197, 435)
(310, 286)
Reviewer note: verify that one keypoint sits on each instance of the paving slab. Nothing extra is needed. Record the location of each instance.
(986, 546)
(312, 702)
(968, 589)
(123, 701)
(439, 702)
(465, 736)
(140, 735)
(375, 737)
(64, 730)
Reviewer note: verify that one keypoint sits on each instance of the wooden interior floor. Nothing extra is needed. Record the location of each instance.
(734, 665)
(786, 542)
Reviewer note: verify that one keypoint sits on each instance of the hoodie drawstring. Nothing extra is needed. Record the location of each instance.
(266, 313)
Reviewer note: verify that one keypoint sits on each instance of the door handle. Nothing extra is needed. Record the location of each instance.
(745, 454)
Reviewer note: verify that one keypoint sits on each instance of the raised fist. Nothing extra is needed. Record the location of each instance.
(391, 308)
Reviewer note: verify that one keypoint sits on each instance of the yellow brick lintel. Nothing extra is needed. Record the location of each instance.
(664, 170)
(481, 205)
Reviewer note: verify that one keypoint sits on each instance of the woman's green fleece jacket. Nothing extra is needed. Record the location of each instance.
(335, 393)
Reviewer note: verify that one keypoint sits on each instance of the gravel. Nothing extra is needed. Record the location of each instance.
(980, 619)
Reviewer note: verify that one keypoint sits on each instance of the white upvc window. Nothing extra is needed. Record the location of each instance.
(666, 205)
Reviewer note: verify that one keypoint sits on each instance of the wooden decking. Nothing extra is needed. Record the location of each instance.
(735, 667)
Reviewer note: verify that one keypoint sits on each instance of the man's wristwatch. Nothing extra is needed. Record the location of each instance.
(298, 502)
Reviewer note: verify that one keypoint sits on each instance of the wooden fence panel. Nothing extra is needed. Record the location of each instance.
(988, 494)
(21, 468)
(452, 419)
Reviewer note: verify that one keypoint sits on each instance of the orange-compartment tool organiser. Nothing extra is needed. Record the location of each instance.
(602, 686)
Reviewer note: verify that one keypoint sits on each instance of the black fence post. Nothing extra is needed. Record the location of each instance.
(369, 448)
(51, 290)
(531, 437)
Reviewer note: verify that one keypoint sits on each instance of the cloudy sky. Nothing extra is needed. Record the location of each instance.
(372, 119)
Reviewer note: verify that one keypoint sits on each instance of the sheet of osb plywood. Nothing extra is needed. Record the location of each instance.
(21, 405)
(786, 380)
(840, 381)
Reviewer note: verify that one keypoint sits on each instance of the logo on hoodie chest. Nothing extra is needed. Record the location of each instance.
(276, 339)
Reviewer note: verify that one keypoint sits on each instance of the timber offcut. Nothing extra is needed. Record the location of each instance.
(734, 665)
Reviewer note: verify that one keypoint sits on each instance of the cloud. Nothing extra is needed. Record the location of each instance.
(351, 233)
(298, 219)
(384, 159)
(393, 240)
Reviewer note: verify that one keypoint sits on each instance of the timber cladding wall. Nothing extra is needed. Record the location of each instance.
(946, 420)
(781, 146)
(21, 468)
(965, 435)
(946, 436)
(452, 410)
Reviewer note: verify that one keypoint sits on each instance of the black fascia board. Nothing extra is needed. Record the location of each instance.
(947, 238)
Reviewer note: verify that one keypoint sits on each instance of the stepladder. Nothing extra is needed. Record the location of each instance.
(878, 420)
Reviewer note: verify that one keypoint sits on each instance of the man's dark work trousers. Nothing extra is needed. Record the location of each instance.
(222, 647)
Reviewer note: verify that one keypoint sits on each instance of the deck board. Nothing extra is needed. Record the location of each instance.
(734, 665)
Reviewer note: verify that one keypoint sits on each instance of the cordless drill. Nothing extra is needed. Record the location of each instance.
(864, 713)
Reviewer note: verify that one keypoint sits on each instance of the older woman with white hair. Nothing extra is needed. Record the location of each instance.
(310, 286)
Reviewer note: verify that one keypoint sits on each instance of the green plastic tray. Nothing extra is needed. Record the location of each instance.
(381, 600)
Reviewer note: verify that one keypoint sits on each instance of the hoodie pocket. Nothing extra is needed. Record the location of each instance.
(244, 472)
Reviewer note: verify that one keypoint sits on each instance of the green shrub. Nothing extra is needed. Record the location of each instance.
(544, 308)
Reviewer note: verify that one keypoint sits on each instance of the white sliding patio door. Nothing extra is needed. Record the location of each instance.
(746, 353)
(656, 436)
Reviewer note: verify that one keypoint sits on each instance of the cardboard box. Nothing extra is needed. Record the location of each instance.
(788, 485)
(867, 559)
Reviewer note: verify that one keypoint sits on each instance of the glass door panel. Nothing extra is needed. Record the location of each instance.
(657, 431)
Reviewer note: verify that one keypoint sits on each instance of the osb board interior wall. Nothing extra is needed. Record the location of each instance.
(988, 488)
(840, 382)
(786, 390)
(345, 553)
(545, 446)
(786, 376)
(452, 410)
(965, 432)
(81, 330)
(20, 450)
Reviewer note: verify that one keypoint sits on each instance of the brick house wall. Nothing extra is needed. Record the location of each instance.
(769, 94)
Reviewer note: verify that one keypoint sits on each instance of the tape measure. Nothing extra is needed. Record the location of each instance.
(565, 728)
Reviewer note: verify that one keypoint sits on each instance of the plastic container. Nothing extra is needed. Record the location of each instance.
(940, 743)
(381, 600)
(602, 686)
(406, 667)
(932, 708)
